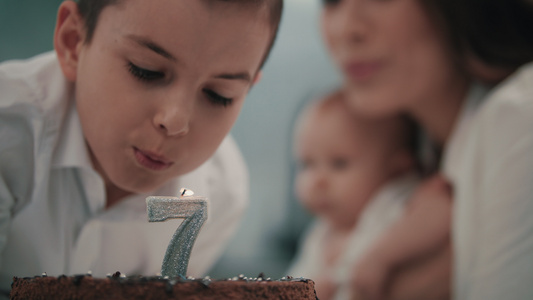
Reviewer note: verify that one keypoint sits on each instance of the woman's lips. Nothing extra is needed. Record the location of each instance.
(151, 160)
(361, 71)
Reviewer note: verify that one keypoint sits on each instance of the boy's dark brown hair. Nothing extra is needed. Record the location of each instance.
(90, 11)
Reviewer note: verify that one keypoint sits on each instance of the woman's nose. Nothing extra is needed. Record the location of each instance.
(346, 23)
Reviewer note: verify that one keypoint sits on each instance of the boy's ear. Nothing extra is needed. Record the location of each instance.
(257, 77)
(68, 38)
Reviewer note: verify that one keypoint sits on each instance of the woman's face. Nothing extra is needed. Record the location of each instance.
(392, 55)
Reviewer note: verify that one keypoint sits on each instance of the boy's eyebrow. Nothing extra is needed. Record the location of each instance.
(152, 46)
(238, 76)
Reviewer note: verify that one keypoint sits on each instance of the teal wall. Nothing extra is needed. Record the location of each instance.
(298, 69)
(26, 27)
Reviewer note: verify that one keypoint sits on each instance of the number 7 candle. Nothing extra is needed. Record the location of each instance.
(194, 212)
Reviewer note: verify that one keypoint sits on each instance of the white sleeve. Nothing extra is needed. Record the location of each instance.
(228, 199)
(16, 173)
(307, 262)
(16, 157)
(503, 268)
(6, 205)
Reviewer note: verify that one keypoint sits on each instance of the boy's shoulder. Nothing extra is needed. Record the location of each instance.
(34, 92)
(36, 81)
(33, 105)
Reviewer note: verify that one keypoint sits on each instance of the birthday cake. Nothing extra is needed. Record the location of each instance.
(118, 287)
(172, 285)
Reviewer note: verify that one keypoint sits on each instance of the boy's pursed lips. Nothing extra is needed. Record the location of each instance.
(151, 160)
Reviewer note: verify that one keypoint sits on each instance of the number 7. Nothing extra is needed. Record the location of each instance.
(194, 211)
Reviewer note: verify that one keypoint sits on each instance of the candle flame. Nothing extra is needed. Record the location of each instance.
(186, 192)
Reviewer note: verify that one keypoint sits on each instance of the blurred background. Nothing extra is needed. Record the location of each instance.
(298, 70)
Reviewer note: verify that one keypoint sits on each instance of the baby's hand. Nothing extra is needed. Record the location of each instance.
(436, 188)
(325, 288)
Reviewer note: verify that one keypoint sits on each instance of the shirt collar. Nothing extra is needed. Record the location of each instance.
(71, 150)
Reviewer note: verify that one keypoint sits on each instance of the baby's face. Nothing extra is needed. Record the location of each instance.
(340, 167)
(161, 84)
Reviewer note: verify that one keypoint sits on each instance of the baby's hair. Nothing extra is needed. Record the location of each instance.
(398, 133)
(90, 11)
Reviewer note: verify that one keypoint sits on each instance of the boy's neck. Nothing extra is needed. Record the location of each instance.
(114, 194)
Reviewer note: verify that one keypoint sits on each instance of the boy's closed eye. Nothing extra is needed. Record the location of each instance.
(217, 99)
(144, 74)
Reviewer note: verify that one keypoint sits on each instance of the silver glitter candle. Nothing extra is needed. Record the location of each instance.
(194, 211)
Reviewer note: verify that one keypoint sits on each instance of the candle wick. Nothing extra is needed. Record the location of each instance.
(183, 193)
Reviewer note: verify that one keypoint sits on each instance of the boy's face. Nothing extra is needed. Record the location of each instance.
(161, 84)
(340, 166)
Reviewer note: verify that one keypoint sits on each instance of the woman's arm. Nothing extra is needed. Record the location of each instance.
(429, 278)
(423, 232)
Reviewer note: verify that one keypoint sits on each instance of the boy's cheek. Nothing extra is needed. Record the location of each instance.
(258, 77)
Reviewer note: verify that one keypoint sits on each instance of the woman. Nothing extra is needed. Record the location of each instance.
(460, 69)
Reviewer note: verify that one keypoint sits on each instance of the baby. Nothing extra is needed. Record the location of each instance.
(137, 99)
(355, 175)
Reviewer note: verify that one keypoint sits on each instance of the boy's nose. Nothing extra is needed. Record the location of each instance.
(170, 130)
(173, 121)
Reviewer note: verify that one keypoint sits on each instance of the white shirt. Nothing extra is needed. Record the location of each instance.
(381, 212)
(489, 160)
(52, 203)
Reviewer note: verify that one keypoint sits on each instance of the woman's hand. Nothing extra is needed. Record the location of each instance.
(325, 288)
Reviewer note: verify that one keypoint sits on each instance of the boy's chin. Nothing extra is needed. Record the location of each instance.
(140, 187)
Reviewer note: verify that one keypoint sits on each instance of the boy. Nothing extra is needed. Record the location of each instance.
(135, 101)
(356, 175)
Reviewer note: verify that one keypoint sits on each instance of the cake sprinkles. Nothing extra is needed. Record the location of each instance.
(118, 286)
